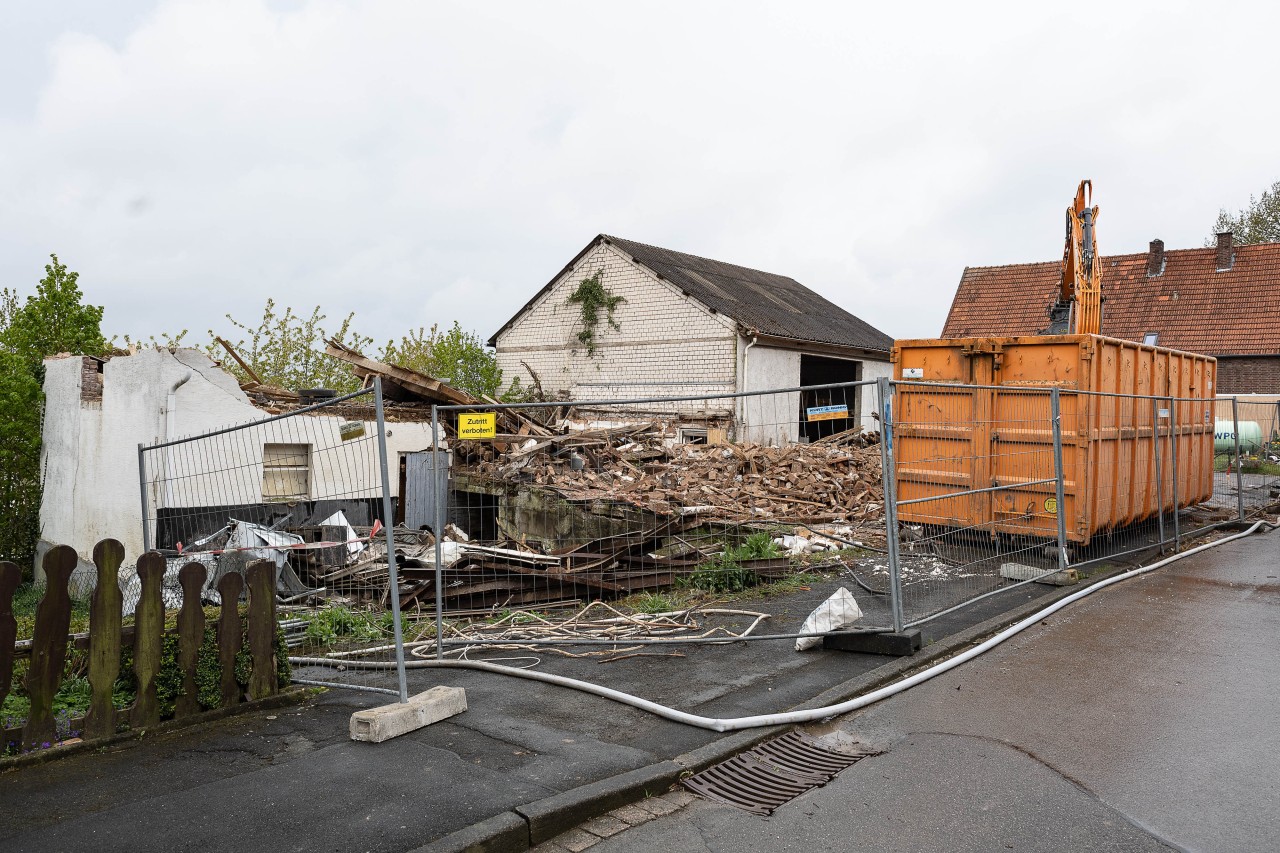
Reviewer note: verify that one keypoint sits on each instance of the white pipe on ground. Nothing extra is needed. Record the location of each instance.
(789, 717)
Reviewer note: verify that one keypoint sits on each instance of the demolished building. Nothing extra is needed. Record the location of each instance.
(99, 410)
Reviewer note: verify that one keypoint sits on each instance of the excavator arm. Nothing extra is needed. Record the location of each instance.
(1078, 309)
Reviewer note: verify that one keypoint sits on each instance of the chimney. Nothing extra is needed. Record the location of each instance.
(1155, 258)
(1225, 254)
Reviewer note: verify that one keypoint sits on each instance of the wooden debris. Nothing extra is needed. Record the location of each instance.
(835, 479)
(399, 382)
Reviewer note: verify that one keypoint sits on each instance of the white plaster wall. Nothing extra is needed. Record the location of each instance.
(91, 449)
(769, 418)
(667, 344)
(871, 371)
(60, 453)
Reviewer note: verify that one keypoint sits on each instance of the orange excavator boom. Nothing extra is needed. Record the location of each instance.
(1078, 310)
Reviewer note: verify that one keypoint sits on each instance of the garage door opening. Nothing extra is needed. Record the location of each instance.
(831, 410)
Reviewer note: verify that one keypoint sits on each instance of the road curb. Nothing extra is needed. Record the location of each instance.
(943, 648)
(544, 819)
(553, 815)
(504, 833)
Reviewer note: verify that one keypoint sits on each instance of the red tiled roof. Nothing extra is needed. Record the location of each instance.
(1191, 305)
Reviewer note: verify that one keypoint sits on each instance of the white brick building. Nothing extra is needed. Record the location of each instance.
(692, 326)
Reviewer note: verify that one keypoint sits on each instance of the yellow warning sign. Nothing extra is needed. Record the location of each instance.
(1051, 506)
(472, 425)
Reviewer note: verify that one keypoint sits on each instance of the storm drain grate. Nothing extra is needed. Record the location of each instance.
(775, 772)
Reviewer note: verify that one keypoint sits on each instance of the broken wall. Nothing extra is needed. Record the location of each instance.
(90, 451)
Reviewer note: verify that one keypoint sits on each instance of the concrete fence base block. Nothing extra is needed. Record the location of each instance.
(378, 724)
(1019, 572)
(901, 643)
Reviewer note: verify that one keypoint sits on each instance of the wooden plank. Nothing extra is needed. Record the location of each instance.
(10, 577)
(262, 628)
(105, 616)
(230, 635)
(190, 636)
(240, 361)
(148, 620)
(411, 380)
(49, 647)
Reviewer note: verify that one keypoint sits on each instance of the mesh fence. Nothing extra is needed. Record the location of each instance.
(1247, 459)
(598, 529)
(624, 523)
(976, 492)
(990, 494)
(307, 491)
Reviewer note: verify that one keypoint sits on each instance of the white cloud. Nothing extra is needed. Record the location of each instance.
(421, 163)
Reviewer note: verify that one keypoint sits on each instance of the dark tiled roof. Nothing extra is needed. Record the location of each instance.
(770, 304)
(1191, 305)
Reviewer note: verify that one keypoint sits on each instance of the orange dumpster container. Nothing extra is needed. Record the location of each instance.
(987, 425)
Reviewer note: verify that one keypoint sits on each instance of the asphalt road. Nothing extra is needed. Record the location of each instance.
(1145, 717)
(292, 780)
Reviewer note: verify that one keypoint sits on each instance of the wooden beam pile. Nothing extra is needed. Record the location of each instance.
(482, 577)
(836, 479)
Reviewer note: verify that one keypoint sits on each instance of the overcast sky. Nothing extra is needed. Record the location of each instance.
(421, 162)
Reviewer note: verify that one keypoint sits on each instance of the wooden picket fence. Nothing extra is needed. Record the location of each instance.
(107, 636)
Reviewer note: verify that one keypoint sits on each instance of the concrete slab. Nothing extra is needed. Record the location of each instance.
(376, 725)
(1021, 572)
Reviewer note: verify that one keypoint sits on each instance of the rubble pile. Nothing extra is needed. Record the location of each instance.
(833, 479)
(476, 576)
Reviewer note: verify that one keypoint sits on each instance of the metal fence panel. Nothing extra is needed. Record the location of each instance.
(679, 519)
(308, 490)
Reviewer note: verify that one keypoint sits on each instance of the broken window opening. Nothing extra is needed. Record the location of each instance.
(286, 472)
(692, 435)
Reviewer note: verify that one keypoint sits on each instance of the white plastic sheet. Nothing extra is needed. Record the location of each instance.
(838, 611)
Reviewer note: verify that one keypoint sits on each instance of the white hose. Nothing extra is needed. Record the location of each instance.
(789, 717)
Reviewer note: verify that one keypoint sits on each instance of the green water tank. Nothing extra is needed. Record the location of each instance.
(1224, 437)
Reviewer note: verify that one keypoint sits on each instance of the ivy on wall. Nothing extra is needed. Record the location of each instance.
(591, 295)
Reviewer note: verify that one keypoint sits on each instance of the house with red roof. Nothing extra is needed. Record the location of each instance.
(1223, 301)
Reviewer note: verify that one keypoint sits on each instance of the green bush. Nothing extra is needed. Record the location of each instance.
(331, 624)
(208, 671)
(73, 697)
(724, 573)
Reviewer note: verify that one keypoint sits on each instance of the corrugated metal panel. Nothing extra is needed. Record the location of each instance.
(420, 496)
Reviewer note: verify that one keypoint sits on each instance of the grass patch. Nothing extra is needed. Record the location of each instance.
(724, 572)
(794, 583)
(27, 597)
(652, 602)
(1248, 465)
(330, 625)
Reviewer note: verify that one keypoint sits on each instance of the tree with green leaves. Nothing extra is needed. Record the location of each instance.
(286, 349)
(456, 357)
(53, 320)
(1257, 223)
